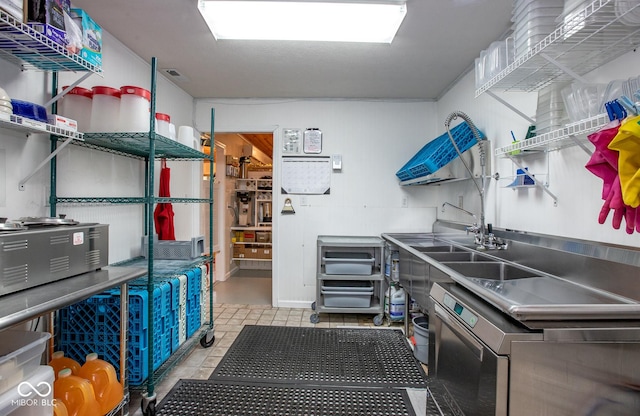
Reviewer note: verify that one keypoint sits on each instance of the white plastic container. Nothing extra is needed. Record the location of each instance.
(186, 135)
(76, 105)
(105, 110)
(33, 398)
(20, 353)
(135, 107)
(163, 127)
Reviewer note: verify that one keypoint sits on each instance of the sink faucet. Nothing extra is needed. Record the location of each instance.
(484, 240)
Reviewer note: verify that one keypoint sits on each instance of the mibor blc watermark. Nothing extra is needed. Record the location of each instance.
(32, 396)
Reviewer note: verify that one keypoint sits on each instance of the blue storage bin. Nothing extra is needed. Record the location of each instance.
(29, 110)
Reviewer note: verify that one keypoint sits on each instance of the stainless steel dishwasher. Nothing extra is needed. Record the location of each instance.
(470, 343)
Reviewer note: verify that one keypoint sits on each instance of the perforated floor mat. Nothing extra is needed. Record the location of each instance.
(321, 356)
(228, 398)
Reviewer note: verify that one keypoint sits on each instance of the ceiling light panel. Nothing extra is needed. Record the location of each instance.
(332, 21)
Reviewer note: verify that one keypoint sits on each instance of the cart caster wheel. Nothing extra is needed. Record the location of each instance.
(208, 339)
(378, 319)
(315, 318)
(148, 405)
(313, 306)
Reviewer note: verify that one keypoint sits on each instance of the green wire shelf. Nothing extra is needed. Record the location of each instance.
(126, 200)
(31, 50)
(138, 145)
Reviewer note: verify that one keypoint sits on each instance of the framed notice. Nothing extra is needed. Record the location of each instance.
(306, 175)
(312, 141)
(292, 140)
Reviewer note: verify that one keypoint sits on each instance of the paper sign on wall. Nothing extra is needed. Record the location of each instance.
(306, 175)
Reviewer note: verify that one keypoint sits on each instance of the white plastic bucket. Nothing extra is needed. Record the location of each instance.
(135, 105)
(421, 337)
(76, 105)
(163, 122)
(105, 109)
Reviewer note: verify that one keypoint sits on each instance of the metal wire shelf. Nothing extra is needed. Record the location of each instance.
(31, 50)
(578, 46)
(138, 145)
(555, 140)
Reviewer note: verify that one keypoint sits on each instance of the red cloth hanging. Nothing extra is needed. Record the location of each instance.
(163, 213)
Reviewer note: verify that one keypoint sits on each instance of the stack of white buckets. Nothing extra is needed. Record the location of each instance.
(104, 109)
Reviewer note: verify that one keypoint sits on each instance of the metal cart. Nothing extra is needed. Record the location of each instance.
(350, 276)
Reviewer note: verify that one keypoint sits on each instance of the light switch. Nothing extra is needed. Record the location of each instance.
(336, 162)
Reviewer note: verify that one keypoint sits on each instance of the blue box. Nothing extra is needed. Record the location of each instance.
(48, 18)
(91, 37)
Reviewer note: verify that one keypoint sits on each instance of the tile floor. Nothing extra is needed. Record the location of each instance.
(229, 319)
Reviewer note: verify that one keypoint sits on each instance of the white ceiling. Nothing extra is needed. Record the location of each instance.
(436, 44)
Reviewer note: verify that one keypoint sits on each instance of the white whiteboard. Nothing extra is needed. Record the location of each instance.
(306, 175)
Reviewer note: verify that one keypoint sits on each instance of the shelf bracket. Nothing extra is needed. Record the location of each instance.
(563, 68)
(66, 90)
(44, 162)
(581, 145)
(535, 181)
(510, 107)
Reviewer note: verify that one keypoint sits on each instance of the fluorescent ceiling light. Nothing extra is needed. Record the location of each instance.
(374, 21)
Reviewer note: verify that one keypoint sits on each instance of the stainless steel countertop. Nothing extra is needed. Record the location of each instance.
(542, 296)
(30, 303)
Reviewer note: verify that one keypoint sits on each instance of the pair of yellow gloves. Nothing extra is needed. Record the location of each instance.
(627, 144)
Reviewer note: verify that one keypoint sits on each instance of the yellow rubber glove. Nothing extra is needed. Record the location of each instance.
(627, 143)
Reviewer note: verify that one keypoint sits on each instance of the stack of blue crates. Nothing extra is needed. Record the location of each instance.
(93, 325)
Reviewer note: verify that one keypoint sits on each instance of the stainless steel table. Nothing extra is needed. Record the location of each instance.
(28, 304)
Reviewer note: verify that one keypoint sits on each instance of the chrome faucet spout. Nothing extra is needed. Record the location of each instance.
(460, 209)
(480, 186)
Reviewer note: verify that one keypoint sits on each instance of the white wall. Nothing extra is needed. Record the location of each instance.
(83, 172)
(374, 138)
(578, 191)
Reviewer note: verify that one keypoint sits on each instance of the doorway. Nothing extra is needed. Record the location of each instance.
(246, 200)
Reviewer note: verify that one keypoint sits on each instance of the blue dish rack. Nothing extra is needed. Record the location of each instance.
(438, 152)
(93, 325)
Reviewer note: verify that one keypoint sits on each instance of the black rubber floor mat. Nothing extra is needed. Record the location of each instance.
(321, 356)
(228, 398)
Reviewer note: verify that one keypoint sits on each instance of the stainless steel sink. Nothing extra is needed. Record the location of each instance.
(495, 270)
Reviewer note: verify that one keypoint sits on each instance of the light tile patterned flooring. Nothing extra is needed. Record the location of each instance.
(229, 319)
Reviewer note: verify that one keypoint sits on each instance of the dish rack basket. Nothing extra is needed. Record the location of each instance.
(438, 152)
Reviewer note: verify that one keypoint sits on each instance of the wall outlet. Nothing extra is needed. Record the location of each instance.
(460, 201)
(304, 201)
(405, 202)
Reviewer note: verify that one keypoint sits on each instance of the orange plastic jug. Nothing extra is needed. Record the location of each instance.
(102, 376)
(59, 361)
(59, 409)
(76, 393)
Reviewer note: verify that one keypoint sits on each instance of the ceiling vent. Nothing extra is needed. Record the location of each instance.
(175, 75)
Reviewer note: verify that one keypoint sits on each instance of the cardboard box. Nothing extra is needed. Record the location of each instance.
(249, 237)
(14, 8)
(238, 251)
(265, 253)
(91, 37)
(251, 253)
(47, 17)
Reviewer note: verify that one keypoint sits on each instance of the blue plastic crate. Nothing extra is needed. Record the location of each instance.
(93, 325)
(194, 283)
(193, 314)
(438, 152)
(162, 312)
